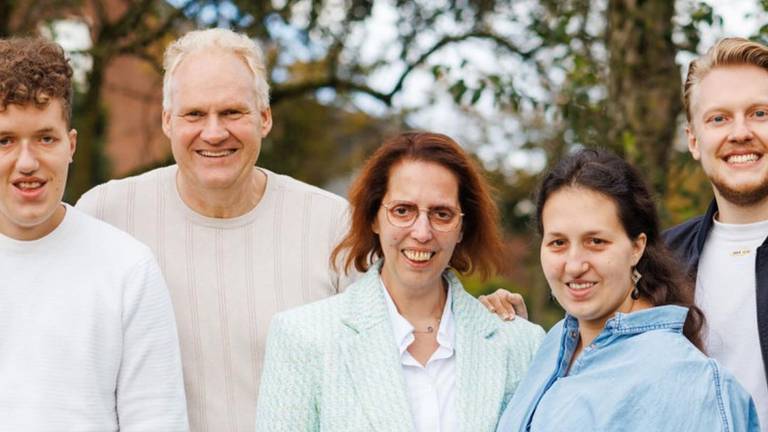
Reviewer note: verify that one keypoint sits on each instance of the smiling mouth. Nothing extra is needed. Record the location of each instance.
(418, 256)
(29, 185)
(742, 158)
(215, 154)
(580, 286)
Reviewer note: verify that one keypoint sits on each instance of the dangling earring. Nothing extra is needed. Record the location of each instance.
(635, 278)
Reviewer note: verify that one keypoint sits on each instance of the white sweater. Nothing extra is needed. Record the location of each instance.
(87, 336)
(228, 277)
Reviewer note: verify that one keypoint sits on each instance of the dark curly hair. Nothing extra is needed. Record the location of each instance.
(34, 71)
(663, 281)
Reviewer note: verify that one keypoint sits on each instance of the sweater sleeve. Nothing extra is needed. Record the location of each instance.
(150, 386)
(287, 400)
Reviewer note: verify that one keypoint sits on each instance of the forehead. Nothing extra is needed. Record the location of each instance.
(205, 77)
(30, 117)
(576, 210)
(730, 87)
(422, 182)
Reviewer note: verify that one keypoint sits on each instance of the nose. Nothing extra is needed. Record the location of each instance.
(740, 131)
(576, 263)
(27, 162)
(214, 131)
(421, 230)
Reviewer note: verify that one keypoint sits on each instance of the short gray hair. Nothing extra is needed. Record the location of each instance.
(220, 40)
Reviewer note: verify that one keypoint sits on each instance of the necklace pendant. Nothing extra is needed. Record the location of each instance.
(430, 329)
(740, 252)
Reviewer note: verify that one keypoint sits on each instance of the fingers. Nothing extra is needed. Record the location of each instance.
(497, 303)
(518, 304)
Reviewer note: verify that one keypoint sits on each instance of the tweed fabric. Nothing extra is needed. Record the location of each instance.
(333, 365)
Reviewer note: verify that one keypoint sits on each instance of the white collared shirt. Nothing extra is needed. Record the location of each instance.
(431, 389)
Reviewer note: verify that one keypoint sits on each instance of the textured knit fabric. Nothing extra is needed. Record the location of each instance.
(227, 277)
(334, 365)
(87, 337)
(639, 374)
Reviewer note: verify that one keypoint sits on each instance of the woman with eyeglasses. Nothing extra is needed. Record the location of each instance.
(404, 348)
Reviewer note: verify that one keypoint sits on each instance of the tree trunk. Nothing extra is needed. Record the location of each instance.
(644, 84)
(6, 10)
(89, 167)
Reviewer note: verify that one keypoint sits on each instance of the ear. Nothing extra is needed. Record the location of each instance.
(72, 143)
(266, 122)
(693, 143)
(375, 226)
(461, 235)
(167, 124)
(638, 248)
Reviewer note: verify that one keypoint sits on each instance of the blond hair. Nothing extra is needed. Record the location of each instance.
(219, 40)
(726, 52)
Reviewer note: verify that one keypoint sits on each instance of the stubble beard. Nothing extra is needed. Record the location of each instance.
(745, 196)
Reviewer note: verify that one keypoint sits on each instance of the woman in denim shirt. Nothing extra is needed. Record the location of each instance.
(627, 355)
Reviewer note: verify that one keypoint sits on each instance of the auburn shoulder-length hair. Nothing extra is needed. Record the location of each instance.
(481, 247)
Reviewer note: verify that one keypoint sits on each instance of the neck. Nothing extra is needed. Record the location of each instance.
(589, 329)
(730, 213)
(38, 231)
(425, 304)
(223, 203)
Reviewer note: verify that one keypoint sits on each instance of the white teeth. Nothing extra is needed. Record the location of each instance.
(215, 154)
(580, 286)
(29, 185)
(417, 255)
(744, 158)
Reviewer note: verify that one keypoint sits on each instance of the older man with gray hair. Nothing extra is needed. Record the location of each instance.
(237, 243)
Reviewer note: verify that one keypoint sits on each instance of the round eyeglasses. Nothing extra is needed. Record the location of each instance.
(404, 214)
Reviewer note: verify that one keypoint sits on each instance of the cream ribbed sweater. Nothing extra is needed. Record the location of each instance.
(228, 277)
(87, 338)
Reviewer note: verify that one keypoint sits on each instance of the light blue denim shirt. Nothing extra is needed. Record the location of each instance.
(639, 374)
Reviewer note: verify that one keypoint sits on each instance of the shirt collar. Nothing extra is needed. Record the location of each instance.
(403, 330)
(659, 317)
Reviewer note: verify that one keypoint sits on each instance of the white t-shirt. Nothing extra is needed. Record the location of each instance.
(431, 389)
(87, 335)
(726, 292)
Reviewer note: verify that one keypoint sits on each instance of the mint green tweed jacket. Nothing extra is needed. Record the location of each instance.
(334, 366)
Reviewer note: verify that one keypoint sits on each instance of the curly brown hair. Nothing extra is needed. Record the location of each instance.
(481, 247)
(34, 71)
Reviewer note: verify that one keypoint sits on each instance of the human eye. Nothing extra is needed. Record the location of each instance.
(5, 141)
(760, 113)
(596, 241)
(48, 139)
(717, 119)
(442, 214)
(403, 210)
(557, 243)
(233, 114)
(193, 115)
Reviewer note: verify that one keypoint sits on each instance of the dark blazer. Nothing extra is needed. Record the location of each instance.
(687, 241)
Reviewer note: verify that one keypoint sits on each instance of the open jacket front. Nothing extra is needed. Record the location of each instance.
(334, 365)
(687, 241)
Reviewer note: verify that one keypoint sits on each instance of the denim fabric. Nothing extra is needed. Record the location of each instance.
(639, 374)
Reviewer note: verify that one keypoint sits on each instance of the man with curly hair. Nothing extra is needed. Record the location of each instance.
(87, 333)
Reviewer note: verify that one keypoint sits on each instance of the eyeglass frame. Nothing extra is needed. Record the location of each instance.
(387, 207)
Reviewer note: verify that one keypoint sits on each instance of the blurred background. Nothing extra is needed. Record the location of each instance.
(518, 83)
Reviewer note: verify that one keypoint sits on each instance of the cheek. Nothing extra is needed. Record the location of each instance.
(551, 265)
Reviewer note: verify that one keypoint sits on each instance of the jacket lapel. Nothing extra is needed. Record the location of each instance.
(371, 358)
(481, 362)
